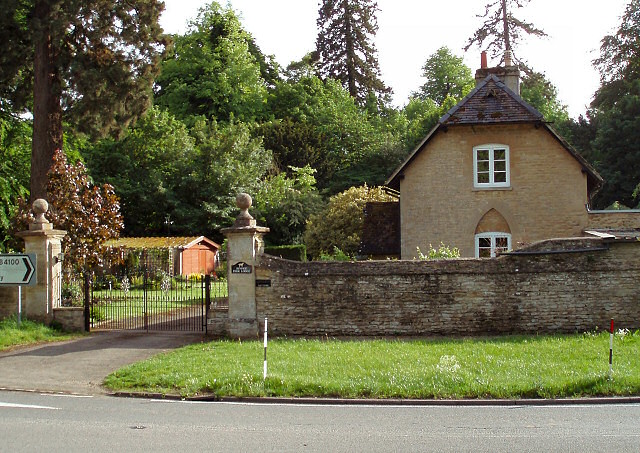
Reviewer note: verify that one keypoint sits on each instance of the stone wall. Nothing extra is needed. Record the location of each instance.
(8, 301)
(70, 319)
(614, 219)
(554, 286)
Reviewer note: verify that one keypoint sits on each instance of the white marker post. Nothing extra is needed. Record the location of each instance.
(265, 350)
(611, 350)
(19, 305)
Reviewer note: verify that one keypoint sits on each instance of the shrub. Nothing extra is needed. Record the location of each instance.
(297, 252)
(444, 252)
(337, 255)
(340, 223)
(221, 270)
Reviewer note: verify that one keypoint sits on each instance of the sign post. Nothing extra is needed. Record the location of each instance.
(18, 270)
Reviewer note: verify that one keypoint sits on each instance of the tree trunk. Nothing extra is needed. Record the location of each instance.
(505, 24)
(351, 69)
(47, 112)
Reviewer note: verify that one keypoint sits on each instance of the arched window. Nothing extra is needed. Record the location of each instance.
(493, 235)
(491, 166)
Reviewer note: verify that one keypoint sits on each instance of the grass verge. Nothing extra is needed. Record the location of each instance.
(28, 332)
(506, 367)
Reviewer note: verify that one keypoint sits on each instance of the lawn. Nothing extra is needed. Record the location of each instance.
(506, 367)
(28, 332)
(118, 304)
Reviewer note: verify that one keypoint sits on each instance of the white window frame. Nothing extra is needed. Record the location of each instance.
(491, 150)
(493, 236)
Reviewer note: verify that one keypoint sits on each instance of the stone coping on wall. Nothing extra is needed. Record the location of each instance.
(536, 257)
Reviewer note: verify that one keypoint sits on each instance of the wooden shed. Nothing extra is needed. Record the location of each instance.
(188, 255)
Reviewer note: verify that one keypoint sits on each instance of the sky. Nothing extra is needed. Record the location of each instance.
(410, 31)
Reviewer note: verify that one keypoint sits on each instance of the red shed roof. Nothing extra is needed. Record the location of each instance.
(162, 242)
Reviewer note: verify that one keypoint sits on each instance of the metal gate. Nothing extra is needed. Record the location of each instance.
(147, 297)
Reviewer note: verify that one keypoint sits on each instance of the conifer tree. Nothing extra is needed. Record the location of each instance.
(91, 63)
(346, 49)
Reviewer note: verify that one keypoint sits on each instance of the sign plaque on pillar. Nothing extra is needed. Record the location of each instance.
(241, 268)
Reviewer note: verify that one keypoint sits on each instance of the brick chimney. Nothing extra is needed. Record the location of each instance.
(509, 74)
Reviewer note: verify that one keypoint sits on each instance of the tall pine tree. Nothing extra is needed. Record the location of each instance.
(89, 62)
(345, 47)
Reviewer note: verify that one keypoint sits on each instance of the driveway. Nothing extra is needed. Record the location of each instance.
(79, 366)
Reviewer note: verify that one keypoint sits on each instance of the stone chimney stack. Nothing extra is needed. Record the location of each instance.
(509, 74)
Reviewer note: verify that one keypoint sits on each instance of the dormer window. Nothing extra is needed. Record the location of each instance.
(491, 166)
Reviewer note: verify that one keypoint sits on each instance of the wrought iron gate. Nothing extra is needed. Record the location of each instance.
(148, 298)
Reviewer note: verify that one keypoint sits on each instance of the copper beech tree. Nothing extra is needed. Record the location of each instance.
(90, 214)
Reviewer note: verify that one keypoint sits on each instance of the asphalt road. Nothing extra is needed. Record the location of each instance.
(31, 422)
(80, 366)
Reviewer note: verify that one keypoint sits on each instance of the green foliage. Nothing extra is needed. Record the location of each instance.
(443, 252)
(72, 294)
(15, 150)
(227, 161)
(446, 76)
(295, 143)
(616, 148)
(323, 124)
(506, 367)
(340, 223)
(336, 255)
(146, 168)
(538, 91)
(419, 117)
(284, 204)
(211, 71)
(297, 252)
(619, 60)
(612, 124)
(345, 47)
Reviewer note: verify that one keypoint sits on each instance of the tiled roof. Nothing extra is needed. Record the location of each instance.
(491, 102)
(160, 242)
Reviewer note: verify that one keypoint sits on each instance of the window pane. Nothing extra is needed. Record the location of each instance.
(500, 166)
(499, 154)
(484, 253)
(484, 242)
(482, 154)
(483, 178)
(502, 243)
(500, 177)
(483, 167)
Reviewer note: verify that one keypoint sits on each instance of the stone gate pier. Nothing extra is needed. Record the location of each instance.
(245, 244)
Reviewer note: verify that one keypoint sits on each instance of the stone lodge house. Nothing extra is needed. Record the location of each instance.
(493, 175)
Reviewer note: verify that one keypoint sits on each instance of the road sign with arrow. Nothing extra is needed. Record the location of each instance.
(18, 269)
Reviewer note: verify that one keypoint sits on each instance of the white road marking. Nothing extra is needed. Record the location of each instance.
(66, 395)
(27, 406)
